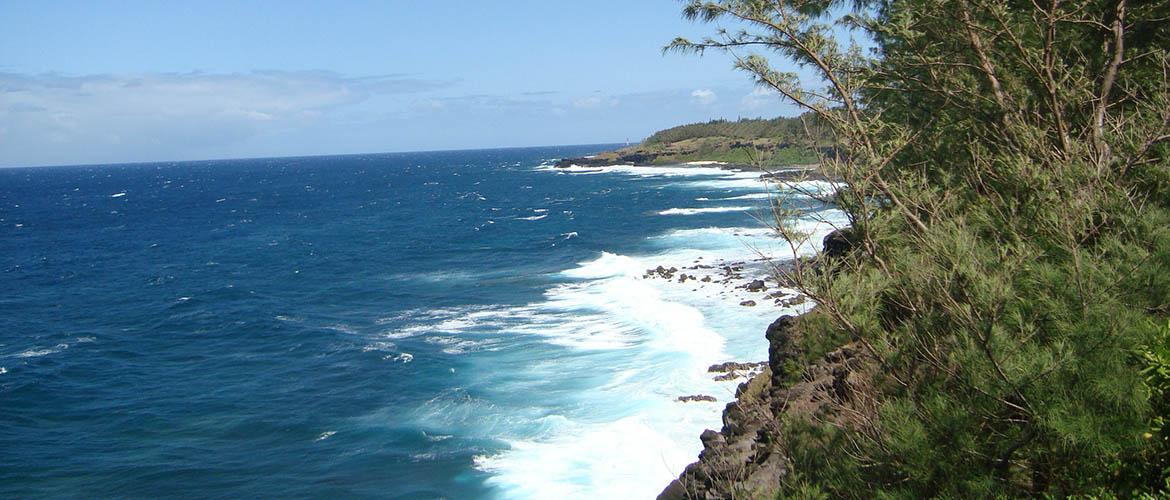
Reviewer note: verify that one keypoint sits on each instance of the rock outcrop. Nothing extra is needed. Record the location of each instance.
(696, 398)
(748, 457)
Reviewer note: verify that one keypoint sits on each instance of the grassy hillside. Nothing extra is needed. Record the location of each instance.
(774, 142)
(789, 130)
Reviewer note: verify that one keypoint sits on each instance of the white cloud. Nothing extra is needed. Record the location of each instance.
(760, 97)
(704, 96)
(594, 101)
(62, 119)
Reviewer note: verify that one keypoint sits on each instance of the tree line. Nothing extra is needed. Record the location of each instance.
(1004, 167)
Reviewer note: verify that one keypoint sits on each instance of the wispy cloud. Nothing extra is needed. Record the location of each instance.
(704, 96)
(759, 98)
(58, 118)
(595, 100)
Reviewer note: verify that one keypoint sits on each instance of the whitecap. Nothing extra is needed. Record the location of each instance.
(749, 196)
(118, 195)
(456, 345)
(341, 328)
(534, 217)
(36, 353)
(325, 435)
(405, 357)
(379, 346)
(707, 210)
(572, 169)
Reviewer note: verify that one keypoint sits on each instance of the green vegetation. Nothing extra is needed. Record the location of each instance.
(764, 153)
(1005, 170)
(776, 142)
(786, 130)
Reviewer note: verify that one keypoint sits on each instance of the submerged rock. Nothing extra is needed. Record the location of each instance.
(735, 365)
(756, 286)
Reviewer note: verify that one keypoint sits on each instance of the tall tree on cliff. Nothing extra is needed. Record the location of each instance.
(1004, 166)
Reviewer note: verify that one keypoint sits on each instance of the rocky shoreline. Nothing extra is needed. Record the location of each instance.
(749, 457)
(791, 173)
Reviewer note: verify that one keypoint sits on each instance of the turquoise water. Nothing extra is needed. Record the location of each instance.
(459, 324)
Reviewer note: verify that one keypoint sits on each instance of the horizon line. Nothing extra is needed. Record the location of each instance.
(327, 155)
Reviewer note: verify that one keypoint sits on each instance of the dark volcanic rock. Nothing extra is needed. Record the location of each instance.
(838, 243)
(734, 365)
(783, 348)
(697, 397)
(756, 286)
(748, 458)
(794, 301)
(660, 272)
(748, 303)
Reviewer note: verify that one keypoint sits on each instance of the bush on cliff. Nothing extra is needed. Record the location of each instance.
(1005, 168)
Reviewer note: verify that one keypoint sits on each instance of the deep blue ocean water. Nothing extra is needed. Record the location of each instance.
(460, 324)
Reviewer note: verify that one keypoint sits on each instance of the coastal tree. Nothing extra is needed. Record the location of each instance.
(1004, 169)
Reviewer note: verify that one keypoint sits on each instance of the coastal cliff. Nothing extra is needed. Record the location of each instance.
(751, 454)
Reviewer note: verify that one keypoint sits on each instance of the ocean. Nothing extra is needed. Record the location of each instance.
(460, 324)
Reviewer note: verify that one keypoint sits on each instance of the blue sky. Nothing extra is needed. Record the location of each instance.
(121, 81)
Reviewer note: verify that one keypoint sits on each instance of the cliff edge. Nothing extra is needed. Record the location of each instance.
(751, 455)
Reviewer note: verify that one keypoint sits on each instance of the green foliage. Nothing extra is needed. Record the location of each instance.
(765, 156)
(1149, 468)
(785, 130)
(1005, 167)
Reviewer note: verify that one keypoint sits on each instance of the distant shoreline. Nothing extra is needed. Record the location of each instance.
(789, 173)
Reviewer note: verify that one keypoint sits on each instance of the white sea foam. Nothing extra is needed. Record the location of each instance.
(534, 217)
(3, 370)
(118, 195)
(707, 210)
(685, 170)
(457, 345)
(631, 437)
(37, 352)
(749, 196)
(325, 435)
(621, 348)
(379, 346)
(341, 328)
(404, 357)
(572, 169)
